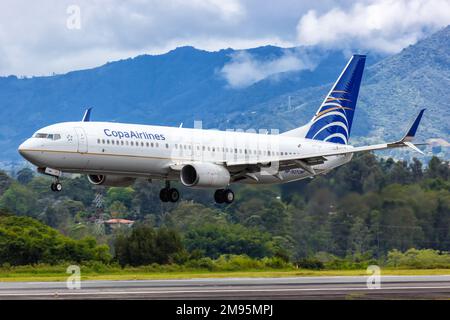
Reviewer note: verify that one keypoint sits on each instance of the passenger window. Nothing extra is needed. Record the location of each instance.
(157, 144)
(107, 141)
(167, 146)
(98, 141)
(147, 144)
(132, 143)
(121, 142)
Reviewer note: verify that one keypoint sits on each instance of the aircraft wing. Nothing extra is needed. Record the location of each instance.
(306, 161)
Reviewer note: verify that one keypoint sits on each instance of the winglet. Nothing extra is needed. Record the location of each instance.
(87, 115)
(409, 136)
(412, 130)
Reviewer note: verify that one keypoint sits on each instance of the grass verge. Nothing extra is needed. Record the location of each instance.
(48, 275)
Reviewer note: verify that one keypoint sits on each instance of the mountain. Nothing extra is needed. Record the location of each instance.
(393, 91)
(188, 84)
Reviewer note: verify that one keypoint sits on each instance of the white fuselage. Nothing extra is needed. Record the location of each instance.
(153, 151)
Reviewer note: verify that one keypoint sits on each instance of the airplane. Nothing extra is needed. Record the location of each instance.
(116, 154)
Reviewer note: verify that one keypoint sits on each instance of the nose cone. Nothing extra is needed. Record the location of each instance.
(24, 150)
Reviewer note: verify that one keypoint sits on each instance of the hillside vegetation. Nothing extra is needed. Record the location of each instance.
(370, 211)
(188, 84)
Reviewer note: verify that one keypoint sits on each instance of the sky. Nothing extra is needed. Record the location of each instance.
(56, 36)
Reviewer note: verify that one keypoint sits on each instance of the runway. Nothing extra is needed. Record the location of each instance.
(391, 287)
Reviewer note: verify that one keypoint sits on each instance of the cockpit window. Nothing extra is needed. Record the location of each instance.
(50, 136)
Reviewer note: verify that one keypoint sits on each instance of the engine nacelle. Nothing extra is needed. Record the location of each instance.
(110, 181)
(204, 175)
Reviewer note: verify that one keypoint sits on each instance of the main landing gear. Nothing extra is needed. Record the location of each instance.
(169, 194)
(224, 196)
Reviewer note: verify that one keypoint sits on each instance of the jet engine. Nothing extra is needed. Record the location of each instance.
(110, 181)
(204, 175)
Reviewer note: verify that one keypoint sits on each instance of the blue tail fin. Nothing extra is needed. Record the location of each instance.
(333, 121)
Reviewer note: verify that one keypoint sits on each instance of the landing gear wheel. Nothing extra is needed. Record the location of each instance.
(218, 196)
(56, 186)
(164, 195)
(173, 195)
(224, 195)
(228, 196)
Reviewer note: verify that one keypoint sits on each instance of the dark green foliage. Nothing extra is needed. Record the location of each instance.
(310, 263)
(5, 182)
(146, 245)
(214, 240)
(356, 213)
(20, 200)
(24, 240)
(25, 175)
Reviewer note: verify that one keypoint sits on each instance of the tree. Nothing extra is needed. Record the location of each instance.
(146, 245)
(5, 182)
(416, 170)
(25, 175)
(124, 195)
(24, 240)
(187, 216)
(117, 209)
(19, 199)
(438, 169)
(215, 240)
(359, 238)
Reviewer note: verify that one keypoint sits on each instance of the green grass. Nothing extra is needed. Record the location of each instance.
(132, 274)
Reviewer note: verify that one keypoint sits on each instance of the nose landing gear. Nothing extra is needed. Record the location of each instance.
(56, 186)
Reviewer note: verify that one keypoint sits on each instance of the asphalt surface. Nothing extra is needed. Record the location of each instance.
(391, 287)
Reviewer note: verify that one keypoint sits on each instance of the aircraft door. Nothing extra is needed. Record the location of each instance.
(82, 140)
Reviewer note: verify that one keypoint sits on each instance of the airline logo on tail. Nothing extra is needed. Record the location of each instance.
(333, 121)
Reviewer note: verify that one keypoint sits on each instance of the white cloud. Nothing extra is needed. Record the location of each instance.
(34, 39)
(384, 25)
(244, 69)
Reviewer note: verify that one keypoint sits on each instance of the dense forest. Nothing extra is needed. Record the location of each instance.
(363, 210)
